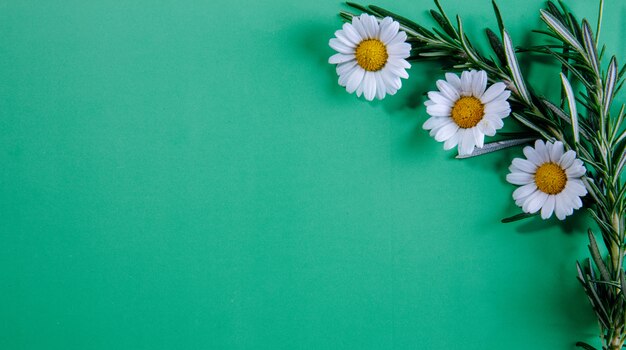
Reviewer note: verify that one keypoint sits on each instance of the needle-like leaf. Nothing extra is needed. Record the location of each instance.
(516, 74)
(496, 146)
(571, 100)
(561, 31)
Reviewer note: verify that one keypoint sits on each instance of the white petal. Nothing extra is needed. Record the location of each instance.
(556, 152)
(479, 84)
(548, 207)
(466, 83)
(340, 47)
(399, 38)
(532, 156)
(520, 178)
(439, 110)
(340, 58)
(542, 151)
(381, 89)
(451, 142)
(438, 98)
(398, 62)
(358, 26)
(535, 202)
(371, 25)
(575, 170)
(454, 80)
(401, 50)
(576, 188)
(573, 201)
(343, 78)
(486, 127)
(343, 36)
(359, 89)
(494, 91)
(466, 143)
(524, 191)
(395, 70)
(561, 208)
(567, 159)
(525, 165)
(351, 33)
(495, 121)
(343, 68)
(448, 90)
(522, 200)
(391, 81)
(355, 80)
(384, 34)
(388, 30)
(501, 108)
(446, 132)
(479, 137)
(503, 97)
(369, 86)
(435, 122)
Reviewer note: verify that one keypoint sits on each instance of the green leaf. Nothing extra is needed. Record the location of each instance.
(600, 14)
(445, 25)
(467, 47)
(532, 126)
(620, 166)
(447, 20)
(359, 7)
(581, 274)
(518, 79)
(597, 258)
(496, 10)
(575, 27)
(622, 283)
(561, 31)
(496, 146)
(601, 54)
(622, 71)
(599, 308)
(609, 85)
(402, 20)
(590, 46)
(496, 45)
(561, 114)
(517, 217)
(570, 67)
(555, 11)
(585, 346)
(572, 107)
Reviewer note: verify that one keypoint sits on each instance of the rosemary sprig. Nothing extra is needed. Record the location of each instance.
(603, 151)
(597, 135)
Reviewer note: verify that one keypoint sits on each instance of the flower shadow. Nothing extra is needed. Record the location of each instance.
(314, 49)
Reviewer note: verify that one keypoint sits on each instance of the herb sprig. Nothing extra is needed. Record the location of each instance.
(598, 134)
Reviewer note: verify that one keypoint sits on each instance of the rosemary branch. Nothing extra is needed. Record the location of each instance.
(598, 135)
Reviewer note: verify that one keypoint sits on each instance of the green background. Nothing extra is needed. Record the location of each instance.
(188, 175)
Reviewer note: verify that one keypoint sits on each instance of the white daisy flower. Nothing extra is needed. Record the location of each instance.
(371, 56)
(550, 180)
(463, 111)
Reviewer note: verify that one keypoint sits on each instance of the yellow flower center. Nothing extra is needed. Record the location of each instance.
(371, 55)
(550, 178)
(467, 112)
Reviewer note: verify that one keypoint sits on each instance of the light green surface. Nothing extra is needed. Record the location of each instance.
(188, 175)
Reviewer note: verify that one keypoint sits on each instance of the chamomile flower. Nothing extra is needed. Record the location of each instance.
(550, 180)
(463, 111)
(371, 56)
